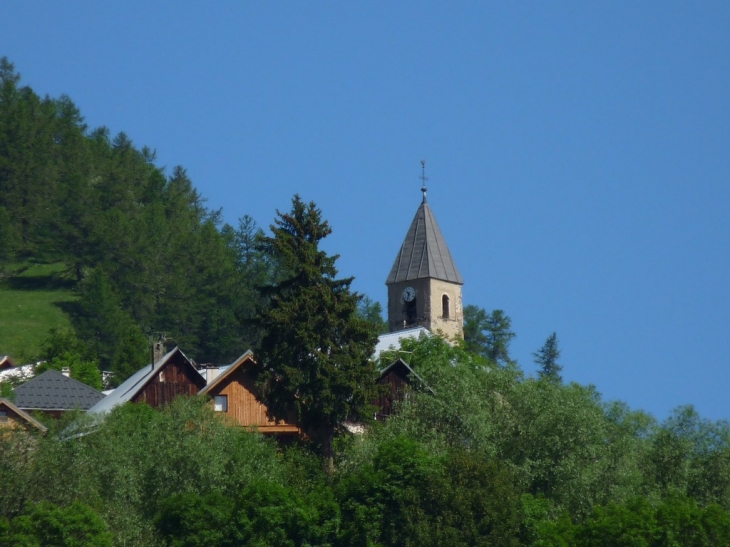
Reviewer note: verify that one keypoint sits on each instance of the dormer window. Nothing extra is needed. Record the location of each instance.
(445, 308)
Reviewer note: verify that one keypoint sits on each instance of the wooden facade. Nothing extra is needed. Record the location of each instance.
(175, 377)
(13, 418)
(233, 394)
(394, 384)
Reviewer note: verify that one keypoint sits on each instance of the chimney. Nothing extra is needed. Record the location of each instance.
(66, 372)
(158, 351)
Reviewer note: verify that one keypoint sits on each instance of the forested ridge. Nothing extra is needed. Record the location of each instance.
(479, 453)
(140, 247)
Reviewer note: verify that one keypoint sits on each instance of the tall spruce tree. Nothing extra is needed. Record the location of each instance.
(314, 355)
(547, 358)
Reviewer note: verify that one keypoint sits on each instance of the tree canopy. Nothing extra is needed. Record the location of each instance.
(138, 245)
(314, 354)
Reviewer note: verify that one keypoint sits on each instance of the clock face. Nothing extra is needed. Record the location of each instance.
(409, 294)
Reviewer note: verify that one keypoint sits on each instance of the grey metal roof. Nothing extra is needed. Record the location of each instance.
(54, 391)
(424, 252)
(134, 384)
(392, 340)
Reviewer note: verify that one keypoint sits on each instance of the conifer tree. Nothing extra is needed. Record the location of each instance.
(314, 355)
(488, 334)
(547, 358)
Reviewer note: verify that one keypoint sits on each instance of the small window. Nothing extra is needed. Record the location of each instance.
(221, 403)
(3, 416)
(445, 306)
(162, 376)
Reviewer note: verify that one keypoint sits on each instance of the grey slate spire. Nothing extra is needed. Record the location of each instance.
(424, 253)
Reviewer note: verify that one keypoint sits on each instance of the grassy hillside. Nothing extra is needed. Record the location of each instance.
(31, 303)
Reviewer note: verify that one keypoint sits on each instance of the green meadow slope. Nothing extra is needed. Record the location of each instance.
(33, 302)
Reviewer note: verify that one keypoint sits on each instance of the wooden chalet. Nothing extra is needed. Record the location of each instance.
(395, 382)
(13, 418)
(156, 384)
(233, 393)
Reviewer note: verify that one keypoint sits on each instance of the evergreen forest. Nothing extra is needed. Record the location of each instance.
(478, 454)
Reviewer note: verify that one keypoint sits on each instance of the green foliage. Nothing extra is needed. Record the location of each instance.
(63, 350)
(690, 456)
(674, 522)
(488, 334)
(547, 359)
(193, 520)
(560, 441)
(48, 525)
(138, 458)
(408, 496)
(314, 355)
(100, 206)
(371, 310)
(110, 331)
(9, 241)
(86, 372)
(32, 301)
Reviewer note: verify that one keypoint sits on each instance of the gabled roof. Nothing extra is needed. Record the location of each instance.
(424, 252)
(406, 371)
(54, 391)
(238, 363)
(394, 339)
(6, 362)
(136, 383)
(7, 404)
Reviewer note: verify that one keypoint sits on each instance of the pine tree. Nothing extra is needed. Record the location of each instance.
(547, 358)
(488, 334)
(372, 311)
(314, 355)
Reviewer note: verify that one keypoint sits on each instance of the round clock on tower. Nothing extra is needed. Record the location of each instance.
(424, 285)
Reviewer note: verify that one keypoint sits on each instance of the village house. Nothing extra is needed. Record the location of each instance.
(55, 393)
(156, 384)
(14, 418)
(233, 393)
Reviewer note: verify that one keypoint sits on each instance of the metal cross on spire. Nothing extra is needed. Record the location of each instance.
(423, 178)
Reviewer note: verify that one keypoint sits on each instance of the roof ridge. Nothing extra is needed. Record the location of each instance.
(66, 379)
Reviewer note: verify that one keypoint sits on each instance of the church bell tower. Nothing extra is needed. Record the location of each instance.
(424, 285)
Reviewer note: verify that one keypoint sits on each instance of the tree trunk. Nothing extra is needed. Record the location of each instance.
(328, 453)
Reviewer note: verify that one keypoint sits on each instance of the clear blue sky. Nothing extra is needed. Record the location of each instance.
(578, 153)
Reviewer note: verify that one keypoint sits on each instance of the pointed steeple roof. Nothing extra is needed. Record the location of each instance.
(424, 252)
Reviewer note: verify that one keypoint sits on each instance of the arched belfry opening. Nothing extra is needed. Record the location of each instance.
(410, 314)
(424, 285)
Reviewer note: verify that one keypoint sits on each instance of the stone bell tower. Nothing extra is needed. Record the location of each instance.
(424, 285)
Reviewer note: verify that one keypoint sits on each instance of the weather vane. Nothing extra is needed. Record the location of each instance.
(423, 178)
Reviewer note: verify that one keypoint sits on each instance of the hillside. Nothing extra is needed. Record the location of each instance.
(36, 300)
(142, 253)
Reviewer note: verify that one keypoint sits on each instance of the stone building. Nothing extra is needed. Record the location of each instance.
(424, 285)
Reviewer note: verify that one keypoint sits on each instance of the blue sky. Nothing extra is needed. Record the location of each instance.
(578, 153)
